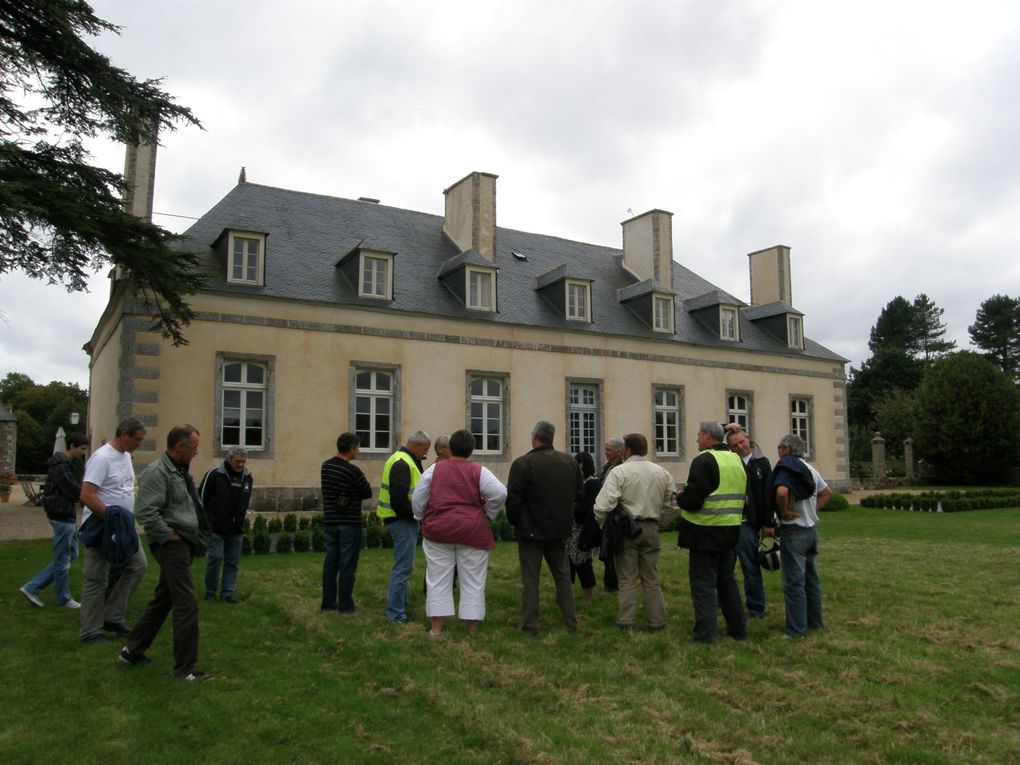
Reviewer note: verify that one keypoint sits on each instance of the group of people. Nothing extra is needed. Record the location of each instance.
(732, 500)
(562, 514)
(180, 521)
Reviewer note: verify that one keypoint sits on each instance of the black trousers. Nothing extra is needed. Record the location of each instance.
(175, 593)
(713, 585)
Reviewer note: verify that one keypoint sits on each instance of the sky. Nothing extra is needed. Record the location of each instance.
(875, 139)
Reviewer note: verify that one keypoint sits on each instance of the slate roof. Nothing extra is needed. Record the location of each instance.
(308, 234)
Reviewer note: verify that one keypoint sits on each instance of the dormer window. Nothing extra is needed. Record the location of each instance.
(480, 289)
(376, 276)
(794, 332)
(729, 326)
(662, 313)
(246, 263)
(578, 300)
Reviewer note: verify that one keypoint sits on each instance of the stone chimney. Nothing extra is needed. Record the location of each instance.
(471, 214)
(648, 246)
(140, 177)
(770, 276)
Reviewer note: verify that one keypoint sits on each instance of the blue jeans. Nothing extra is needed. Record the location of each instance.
(343, 547)
(802, 589)
(747, 554)
(405, 538)
(65, 550)
(225, 549)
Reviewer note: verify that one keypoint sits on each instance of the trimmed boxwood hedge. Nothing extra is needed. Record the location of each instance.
(954, 501)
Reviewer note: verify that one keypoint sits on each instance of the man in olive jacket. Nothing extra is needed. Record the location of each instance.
(170, 512)
(541, 490)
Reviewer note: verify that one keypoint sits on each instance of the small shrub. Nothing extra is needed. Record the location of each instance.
(260, 524)
(318, 539)
(275, 525)
(317, 521)
(502, 529)
(260, 543)
(285, 542)
(246, 527)
(301, 541)
(374, 535)
(246, 545)
(304, 523)
(837, 503)
(290, 523)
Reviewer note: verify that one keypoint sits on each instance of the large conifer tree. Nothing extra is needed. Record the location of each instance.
(996, 331)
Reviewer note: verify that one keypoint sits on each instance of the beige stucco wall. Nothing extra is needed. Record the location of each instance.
(312, 368)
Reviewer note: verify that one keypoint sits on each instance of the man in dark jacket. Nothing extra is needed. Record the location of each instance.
(60, 492)
(541, 490)
(344, 488)
(225, 492)
(758, 521)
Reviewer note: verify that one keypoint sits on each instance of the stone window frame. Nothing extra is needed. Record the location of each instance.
(680, 454)
(354, 368)
(732, 413)
(260, 267)
(570, 311)
(267, 450)
(471, 375)
(470, 271)
(725, 310)
(388, 260)
(670, 327)
(599, 386)
(794, 332)
(808, 415)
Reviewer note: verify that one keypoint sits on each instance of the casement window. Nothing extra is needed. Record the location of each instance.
(578, 300)
(375, 403)
(667, 424)
(738, 409)
(487, 406)
(583, 414)
(662, 313)
(244, 396)
(480, 289)
(800, 420)
(794, 332)
(246, 258)
(376, 276)
(729, 327)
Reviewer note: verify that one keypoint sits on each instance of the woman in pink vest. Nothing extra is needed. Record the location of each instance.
(454, 500)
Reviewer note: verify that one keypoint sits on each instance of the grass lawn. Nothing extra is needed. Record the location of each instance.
(920, 663)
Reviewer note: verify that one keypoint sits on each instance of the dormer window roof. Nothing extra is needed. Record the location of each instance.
(652, 303)
(780, 320)
(242, 249)
(568, 291)
(718, 312)
(369, 271)
(472, 278)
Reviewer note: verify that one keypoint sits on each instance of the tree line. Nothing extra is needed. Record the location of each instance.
(961, 408)
(40, 410)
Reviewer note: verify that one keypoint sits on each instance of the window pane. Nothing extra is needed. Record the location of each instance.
(232, 373)
(256, 374)
(383, 381)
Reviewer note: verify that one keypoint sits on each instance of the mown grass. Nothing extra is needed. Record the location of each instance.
(920, 663)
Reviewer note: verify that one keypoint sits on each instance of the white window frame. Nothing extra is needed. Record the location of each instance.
(484, 408)
(668, 415)
(251, 272)
(801, 410)
(584, 414)
(740, 408)
(663, 313)
(729, 330)
(244, 388)
(372, 396)
(794, 332)
(473, 297)
(369, 269)
(577, 297)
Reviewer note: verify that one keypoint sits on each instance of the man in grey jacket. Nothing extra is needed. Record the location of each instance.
(170, 512)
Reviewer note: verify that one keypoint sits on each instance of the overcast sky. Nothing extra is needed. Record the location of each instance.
(876, 139)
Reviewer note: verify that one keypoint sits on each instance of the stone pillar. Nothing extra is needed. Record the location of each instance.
(908, 459)
(878, 457)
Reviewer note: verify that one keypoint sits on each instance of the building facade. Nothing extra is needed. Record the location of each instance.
(323, 314)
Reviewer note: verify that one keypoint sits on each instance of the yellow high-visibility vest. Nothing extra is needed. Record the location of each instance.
(725, 505)
(384, 509)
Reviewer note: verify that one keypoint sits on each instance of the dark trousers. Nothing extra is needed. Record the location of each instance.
(530, 553)
(175, 593)
(714, 585)
(340, 566)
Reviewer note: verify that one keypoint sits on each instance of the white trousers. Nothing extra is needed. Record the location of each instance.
(471, 564)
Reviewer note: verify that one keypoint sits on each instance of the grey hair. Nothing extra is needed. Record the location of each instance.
(713, 429)
(233, 451)
(442, 442)
(794, 443)
(420, 437)
(616, 443)
(544, 432)
(130, 426)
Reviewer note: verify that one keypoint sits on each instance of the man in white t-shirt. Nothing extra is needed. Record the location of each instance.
(109, 480)
(793, 477)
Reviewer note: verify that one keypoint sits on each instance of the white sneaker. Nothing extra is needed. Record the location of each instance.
(72, 603)
(34, 600)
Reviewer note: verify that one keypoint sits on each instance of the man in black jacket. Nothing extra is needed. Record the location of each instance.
(758, 519)
(60, 492)
(541, 490)
(225, 492)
